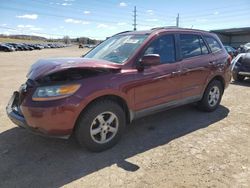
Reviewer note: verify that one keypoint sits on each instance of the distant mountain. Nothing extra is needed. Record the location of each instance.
(26, 37)
(80, 40)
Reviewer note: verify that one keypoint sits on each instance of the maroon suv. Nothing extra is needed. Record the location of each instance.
(128, 76)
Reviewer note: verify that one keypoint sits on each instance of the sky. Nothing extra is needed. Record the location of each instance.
(99, 19)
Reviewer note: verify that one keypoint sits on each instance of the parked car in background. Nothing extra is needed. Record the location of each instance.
(6, 48)
(128, 76)
(246, 47)
(231, 51)
(17, 46)
(241, 67)
(25, 47)
(10, 46)
(34, 46)
(40, 46)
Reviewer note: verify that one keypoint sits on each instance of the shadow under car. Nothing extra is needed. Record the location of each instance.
(30, 160)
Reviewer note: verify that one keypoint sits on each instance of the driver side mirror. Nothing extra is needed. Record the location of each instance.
(150, 60)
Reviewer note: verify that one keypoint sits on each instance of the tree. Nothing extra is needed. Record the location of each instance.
(66, 40)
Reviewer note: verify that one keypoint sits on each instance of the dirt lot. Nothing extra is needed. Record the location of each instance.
(178, 148)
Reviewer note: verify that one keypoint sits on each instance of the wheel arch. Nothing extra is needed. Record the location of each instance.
(221, 79)
(218, 78)
(118, 99)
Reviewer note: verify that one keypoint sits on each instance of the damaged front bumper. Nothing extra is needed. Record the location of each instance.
(14, 112)
(15, 115)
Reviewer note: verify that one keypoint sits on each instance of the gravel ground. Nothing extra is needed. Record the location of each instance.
(182, 147)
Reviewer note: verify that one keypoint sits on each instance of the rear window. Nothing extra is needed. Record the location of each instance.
(191, 45)
(213, 44)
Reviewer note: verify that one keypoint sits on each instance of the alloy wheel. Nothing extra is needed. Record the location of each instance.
(214, 96)
(104, 127)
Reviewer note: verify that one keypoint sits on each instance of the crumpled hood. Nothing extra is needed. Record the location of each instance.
(45, 67)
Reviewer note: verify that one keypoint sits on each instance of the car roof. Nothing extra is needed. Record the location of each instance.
(163, 29)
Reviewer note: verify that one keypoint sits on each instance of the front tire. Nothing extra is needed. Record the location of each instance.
(211, 97)
(100, 126)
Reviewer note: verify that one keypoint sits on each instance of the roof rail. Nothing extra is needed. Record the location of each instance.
(167, 27)
(121, 33)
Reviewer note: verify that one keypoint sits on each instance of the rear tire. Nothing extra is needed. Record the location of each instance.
(100, 126)
(211, 97)
(238, 77)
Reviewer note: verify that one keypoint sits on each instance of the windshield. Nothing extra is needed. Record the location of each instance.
(117, 49)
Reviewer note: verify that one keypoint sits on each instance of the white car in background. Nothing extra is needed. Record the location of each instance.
(246, 47)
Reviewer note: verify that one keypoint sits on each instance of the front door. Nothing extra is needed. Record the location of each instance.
(159, 84)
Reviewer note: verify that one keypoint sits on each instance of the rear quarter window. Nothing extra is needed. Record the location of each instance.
(213, 44)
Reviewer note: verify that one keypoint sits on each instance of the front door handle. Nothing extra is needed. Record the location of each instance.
(175, 73)
(212, 63)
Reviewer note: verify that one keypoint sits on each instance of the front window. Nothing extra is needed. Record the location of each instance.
(117, 49)
(163, 46)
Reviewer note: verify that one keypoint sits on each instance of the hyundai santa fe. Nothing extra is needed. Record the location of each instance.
(128, 76)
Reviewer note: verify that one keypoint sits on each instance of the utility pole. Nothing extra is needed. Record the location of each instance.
(177, 20)
(135, 15)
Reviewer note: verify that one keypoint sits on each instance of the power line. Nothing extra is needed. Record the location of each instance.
(202, 15)
(222, 15)
(75, 10)
(155, 13)
(104, 4)
(58, 5)
(210, 18)
(233, 9)
(97, 20)
(216, 17)
(59, 16)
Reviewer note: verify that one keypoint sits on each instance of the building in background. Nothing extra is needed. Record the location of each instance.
(234, 37)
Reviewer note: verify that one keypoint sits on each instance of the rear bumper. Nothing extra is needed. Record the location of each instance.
(15, 115)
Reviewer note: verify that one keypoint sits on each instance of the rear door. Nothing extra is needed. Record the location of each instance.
(218, 56)
(195, 64)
